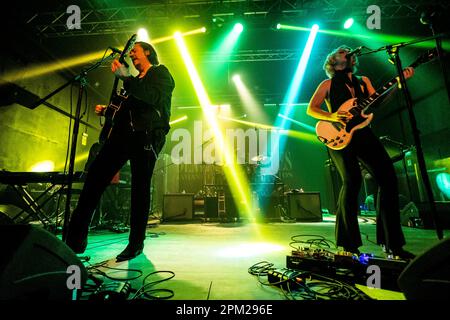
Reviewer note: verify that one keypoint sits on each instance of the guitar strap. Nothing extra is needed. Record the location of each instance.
(356, 83)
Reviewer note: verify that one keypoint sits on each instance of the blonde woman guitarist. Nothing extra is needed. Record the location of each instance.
(364, 147)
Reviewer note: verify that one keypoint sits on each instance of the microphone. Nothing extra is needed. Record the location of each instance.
(115, 50)
(353, 52)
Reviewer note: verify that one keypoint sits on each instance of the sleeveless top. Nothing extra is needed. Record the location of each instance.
(339, 92)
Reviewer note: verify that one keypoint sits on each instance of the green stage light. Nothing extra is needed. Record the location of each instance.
(236, 78)
(238, 27)
(443, 183)
(348, 23)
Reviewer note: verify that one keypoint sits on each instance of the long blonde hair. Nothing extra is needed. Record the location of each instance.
(330, 61)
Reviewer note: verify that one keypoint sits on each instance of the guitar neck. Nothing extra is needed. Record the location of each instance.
(366, 103)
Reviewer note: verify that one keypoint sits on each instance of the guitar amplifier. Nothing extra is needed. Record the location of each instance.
(178, 206)
(305, 206)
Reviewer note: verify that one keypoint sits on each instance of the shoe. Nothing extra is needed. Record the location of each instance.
(402, 254)
(130, 252)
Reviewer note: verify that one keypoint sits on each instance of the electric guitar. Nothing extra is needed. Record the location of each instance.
(117, 99)
(337, 136)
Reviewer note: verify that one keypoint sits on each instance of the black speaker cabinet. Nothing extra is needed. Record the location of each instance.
(305, 206)
(178, 206)
(427, 277)
(211, 207)
(34, 265)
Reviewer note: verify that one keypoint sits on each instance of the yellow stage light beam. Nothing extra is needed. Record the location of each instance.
(45, 68)
(234, 174)
(251, 249)
(81, 158)
(305, 136)
(248, 100)
(178, 120)
(43, 166)
(250, 124)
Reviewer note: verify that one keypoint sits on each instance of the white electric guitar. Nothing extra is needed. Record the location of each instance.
(337, 136)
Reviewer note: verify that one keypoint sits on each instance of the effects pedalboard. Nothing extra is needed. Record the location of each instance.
(345, 266)
(287, 279)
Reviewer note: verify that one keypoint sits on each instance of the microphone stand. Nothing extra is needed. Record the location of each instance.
(404, 149)
(82, 80)
(440, 54)
(393, 52)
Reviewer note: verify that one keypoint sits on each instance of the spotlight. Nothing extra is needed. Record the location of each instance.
(43, 166)
(236, 77)
(142, 35)
(238, 27)
(348, 23)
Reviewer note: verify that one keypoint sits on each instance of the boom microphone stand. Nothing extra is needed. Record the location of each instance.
(393, 51)
(82, 80)
(429, 17)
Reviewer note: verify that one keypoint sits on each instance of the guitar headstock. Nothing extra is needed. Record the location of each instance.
(425, 57)
(128, 47)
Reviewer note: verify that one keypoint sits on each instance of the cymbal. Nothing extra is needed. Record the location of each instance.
(260, 158)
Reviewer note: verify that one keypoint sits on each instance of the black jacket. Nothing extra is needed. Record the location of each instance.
(149, 99)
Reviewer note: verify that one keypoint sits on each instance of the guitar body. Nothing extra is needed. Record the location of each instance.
(111, 112)
(336, 136)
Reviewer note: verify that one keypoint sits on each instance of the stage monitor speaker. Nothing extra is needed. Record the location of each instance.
(178, 206)
(211, 207)
(34, 265)
(427, 277)
(305, 206)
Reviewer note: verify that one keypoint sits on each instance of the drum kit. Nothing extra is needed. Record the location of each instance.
(213, 177)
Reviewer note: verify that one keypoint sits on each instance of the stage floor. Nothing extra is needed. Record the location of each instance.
(211, 260)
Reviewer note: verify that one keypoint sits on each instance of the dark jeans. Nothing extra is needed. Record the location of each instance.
(367, 149)
(113, 155)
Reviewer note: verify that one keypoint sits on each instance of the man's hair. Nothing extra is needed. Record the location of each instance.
(330, 61)
(152, 56)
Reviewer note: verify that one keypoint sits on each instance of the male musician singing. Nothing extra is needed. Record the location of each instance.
(365, 148)
(138, 135)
